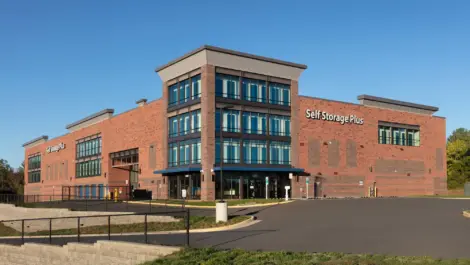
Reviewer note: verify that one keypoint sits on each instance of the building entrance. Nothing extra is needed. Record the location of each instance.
(243, 185)
(190, 184)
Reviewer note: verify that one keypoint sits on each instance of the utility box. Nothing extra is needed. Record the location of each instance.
(466, 189)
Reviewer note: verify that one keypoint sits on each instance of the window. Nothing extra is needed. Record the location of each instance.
(196, 151)
(398, 136)
(173, 95)
(254, 90)
(279, 153)
(227, 86)
(254, 152)
(90, 168)
(88, 148)
(279, 94)
(184, 153)
(34, 169)
(231, 151)
(230, 121)
(196, 87)
(183, 91)
(385, 135)
(173, 155)
(173, 126)
(254, 123)
(196, 121)
(279, 125)
(184, 124)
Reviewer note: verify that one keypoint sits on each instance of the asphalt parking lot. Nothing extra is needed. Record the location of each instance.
(401, 226)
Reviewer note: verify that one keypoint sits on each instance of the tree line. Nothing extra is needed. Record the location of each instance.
(458, 158)
(11, 181)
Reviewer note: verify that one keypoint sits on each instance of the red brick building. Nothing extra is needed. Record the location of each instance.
(271, 138)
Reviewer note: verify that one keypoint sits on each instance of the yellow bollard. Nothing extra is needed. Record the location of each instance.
(115, 195)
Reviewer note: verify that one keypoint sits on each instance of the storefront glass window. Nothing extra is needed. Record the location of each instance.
(227, 86)
(231, 151)
(279, 153)
(279, 94)
(254, 152)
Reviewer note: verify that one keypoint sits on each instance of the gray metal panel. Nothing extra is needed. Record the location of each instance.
(439, 159)
(66, 169)
(314, 153)
(393, 124)
(44, 137)
(92, 116)
(231, 52)
(399, 167)
(351, 153)
(333, 153)
(467, 189)
(397, 102)
(152, 156)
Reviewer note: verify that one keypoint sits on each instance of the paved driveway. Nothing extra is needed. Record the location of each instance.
(412, 227)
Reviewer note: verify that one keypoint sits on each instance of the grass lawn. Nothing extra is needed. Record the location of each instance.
(8, 231)
(196, 222)
(241, 257)
(229, 202)
(441, 196)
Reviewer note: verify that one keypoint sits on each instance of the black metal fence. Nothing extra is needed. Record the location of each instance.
(90, 203)
(121, 227)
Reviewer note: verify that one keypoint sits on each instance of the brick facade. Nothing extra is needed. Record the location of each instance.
(340, 156)
(138, 128)
(339, 160)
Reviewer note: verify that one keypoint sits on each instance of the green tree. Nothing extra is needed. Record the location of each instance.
(458, 158)
(458, 163)
(11, 180)
(460, 134)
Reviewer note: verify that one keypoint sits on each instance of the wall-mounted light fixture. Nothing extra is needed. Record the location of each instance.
(370, 168)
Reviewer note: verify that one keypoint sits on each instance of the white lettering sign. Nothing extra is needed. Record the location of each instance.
(55, 148)
(323, 115)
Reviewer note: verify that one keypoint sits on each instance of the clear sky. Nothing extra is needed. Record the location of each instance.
(63, 60)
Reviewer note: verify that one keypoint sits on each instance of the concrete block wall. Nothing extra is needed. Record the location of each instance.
(102, 252)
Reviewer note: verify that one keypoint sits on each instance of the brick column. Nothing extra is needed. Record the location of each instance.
(295, 121)
(208, 131)
(164, 143)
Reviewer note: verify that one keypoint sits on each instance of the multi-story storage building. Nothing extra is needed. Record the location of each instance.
(238, 114)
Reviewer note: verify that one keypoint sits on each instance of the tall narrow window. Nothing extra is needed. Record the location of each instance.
(279, 153)
(254, 152)
(196, 121)
(254, 123)
(173, 155)
(227, 86)
(279, 94)
(230, 120)
(34, 169)
(184, 124)
(279, 125)
(173, 95)
(254, 90)
(196, 87)
(88, 162)
(183, 91)
(196, 151)
(173, 126)
(231, 150)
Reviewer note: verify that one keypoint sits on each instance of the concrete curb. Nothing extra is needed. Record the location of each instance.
(242, 224)
(466, 214)
(213, 207)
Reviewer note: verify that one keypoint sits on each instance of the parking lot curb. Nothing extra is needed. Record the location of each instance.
(210, 207)
(242, 224)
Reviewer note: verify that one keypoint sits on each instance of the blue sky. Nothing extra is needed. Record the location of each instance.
(63, 60)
